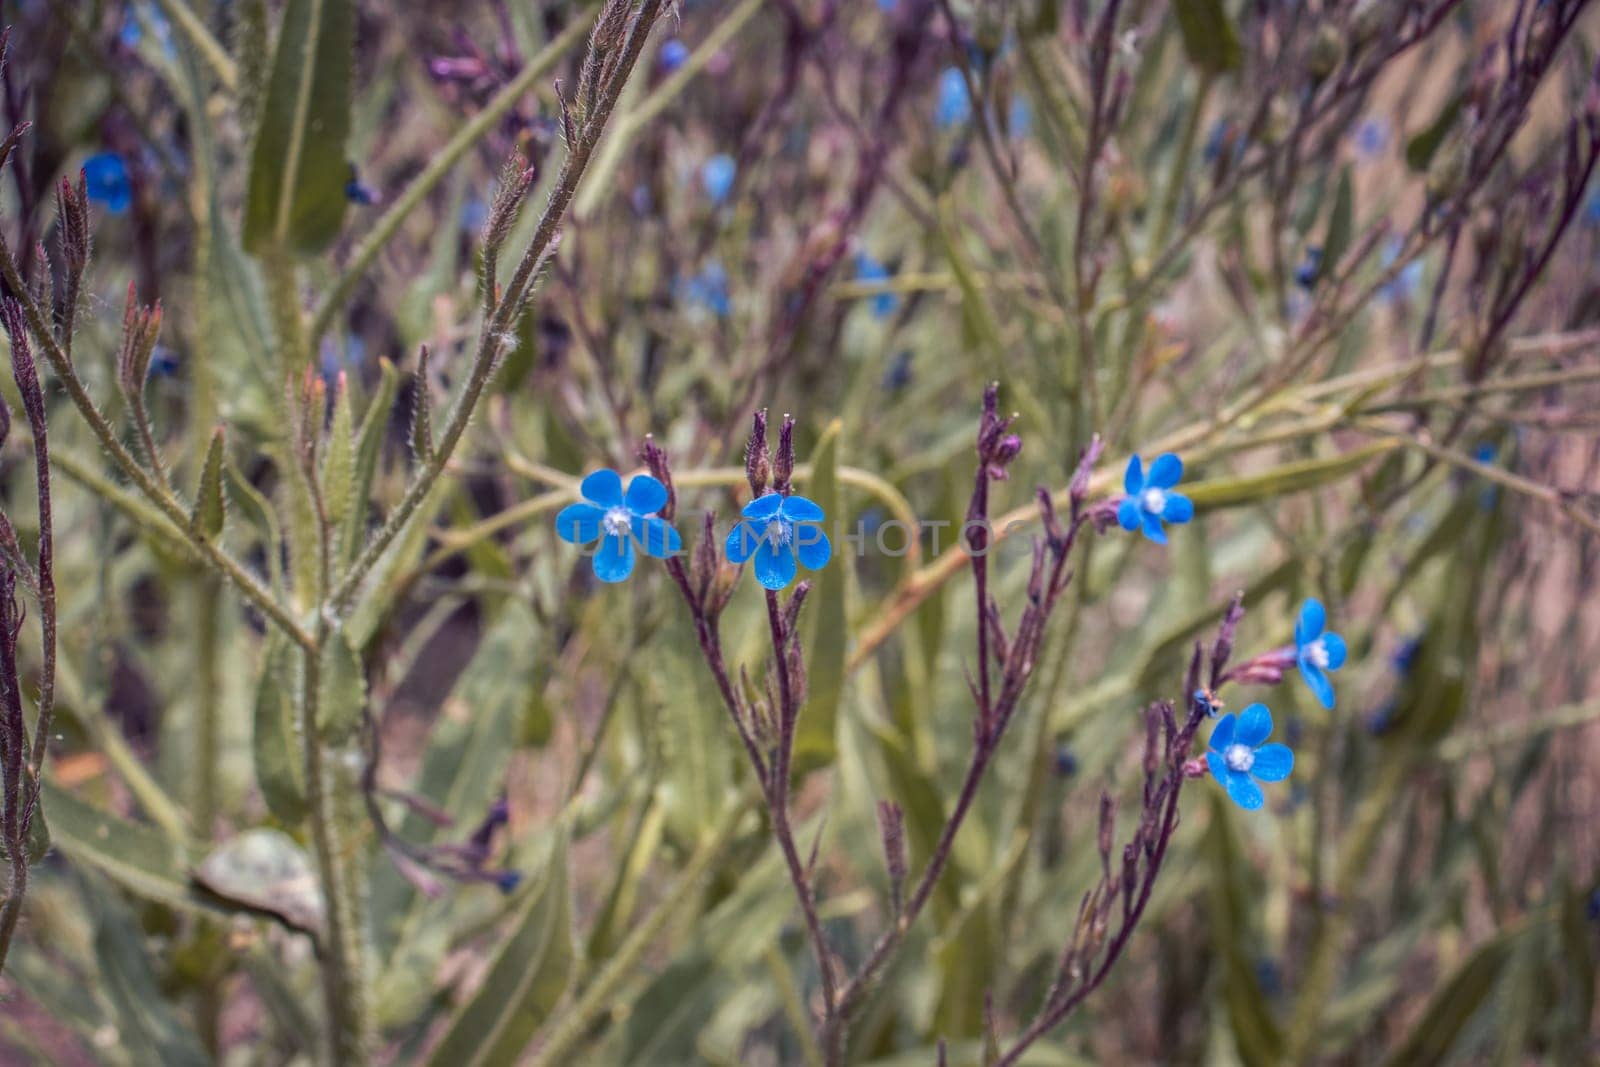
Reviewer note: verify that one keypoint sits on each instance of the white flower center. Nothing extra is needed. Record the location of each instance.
(617, 521)
(1316, 654)
(777, 533)
(1239, 757)
(1154, 500)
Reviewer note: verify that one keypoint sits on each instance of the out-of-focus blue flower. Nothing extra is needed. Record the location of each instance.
(1307, 273)
(1379, 721)
(779, 530)
(359, 192)
(674, 53)
(1405, 657)
(1238, 758)
(900, 373)
(1225, 137)
(1404, 284)
(1591, 207)
(507, 881)
(618, 521)
(870, 270)
(954, 106)
(1150, 501)
(1268, 974)
(163, 363)
(1317, 651)
(1066, 761)
(1372, 137)
(1019, 119)
(717, 175)
(709, 290)
(474, 213)
(105, 177)
(1593, 908)
(1486, 453)
(131, 31)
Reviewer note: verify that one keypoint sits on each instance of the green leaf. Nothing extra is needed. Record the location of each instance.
(148, 1027)
(298, 168)
(338, 462)
(343, 690)
(209, 509)
(1456, 1001)
(1208, 35)
(422, 411)
(1421, 148)
(1297, 477)
(140, 859)
(1339, 224)
(826, 628)
(525, 981)
(276, 753)
(369, 445)
(38, 838)
(259, 511)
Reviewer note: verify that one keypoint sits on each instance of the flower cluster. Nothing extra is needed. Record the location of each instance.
(779, 532)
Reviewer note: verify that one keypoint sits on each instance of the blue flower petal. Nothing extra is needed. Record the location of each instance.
(1336, 650)
(743, 540)
(775, 567)
(799, 509)
(1222, 736)
(656, 536)
(1313, 620)
(1153, 530)
(1255, 723)
(1321, 687)
(1219, 767)
(646, 496)
(603, 487)
(1244, 792)
(1164, 472)
(763, 507)
(812, 546)
(1273, 763)
(614, 561)
(579, 523)
(1133, 477)
(1128, 513)
(1179, 508)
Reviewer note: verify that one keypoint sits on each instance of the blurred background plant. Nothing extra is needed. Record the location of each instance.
(350, 756)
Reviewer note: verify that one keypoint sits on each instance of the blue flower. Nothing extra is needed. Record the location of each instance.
(1307, 273)
(708, 290)
(776, 530)
(1372, 136)
(717, 174)
(1019, 119)
(1402, 285)
(618, 521)
(1238, 758)
(1150, 499)
(1317, 651)
(106, 179)
(673, 55)
(870, 270)
(954, 106)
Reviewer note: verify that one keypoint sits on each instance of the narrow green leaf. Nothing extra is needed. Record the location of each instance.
(369, 446)
(1455, 1002)
(210, 511)
(422, 411)
(826, 628)
(338, 461)
(1217, 493)
(1421, 148)
(298, 168)
(525, 981)
(259, 512)
(139, 858)
(1339, 223)
(265, 870)
(274, 748)
(343, 692)
(38, 838)
(148, 1027)
(1208, 35)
